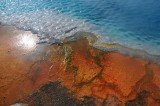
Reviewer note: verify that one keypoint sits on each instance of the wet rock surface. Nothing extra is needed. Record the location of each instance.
(72, 74)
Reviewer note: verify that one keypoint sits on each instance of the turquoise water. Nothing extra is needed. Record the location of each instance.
(131, 23)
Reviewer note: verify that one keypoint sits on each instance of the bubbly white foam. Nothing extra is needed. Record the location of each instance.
(54, 27)
(51, 26)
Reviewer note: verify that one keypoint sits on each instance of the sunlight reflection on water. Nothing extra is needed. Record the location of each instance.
(26, 41)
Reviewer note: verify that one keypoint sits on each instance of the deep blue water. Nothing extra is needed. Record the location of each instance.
(132, 23)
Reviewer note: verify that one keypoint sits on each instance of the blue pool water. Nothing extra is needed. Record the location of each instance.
(131, 23)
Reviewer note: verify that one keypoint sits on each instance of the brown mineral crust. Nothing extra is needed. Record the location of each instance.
(18, 70)
(122, 71)
(82, 58)
(140, 99)
(77, 70)
(156, 70)
(116, 74)
(38, 73)
(103, 90)
(152, 102)
(11, 75)
(108, 78)
(147, 83)
(143, 98)
(51, 94)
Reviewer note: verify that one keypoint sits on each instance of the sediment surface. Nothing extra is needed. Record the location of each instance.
(72, 74)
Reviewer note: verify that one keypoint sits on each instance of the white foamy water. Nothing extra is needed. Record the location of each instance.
(51, 26)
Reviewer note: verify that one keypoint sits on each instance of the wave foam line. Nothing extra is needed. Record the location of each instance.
(51, 26)
(54, 27)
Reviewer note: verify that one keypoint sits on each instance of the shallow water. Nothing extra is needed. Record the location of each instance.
(134, 24)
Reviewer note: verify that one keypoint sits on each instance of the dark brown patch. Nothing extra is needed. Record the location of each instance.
(140, 99)
(52, 94)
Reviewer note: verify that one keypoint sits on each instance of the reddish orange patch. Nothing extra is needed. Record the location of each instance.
(84, 70)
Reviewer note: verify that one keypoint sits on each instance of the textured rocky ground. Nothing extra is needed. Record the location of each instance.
(72, 74)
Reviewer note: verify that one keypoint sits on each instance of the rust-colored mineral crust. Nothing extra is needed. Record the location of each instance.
(72, 73)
